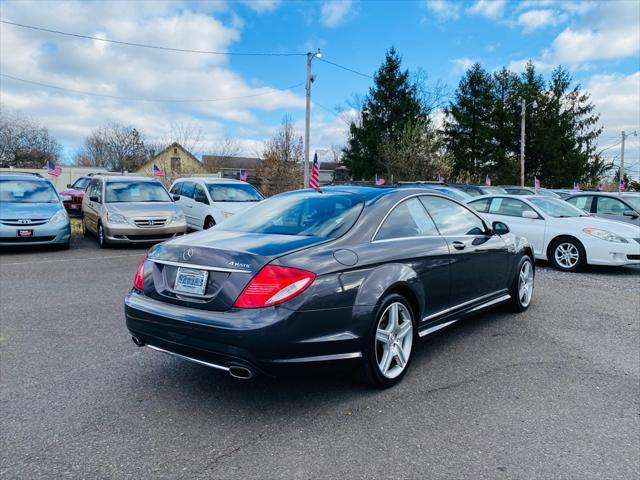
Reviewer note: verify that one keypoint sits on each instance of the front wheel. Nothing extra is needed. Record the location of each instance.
(522, 289)
(209, 223)
(102, 241)
(390, 344)
(568, 255)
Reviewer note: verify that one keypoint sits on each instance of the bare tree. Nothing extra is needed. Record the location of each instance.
(188, 134)
(115, 147)
(281, 167)
(25, 143)
(223, 149)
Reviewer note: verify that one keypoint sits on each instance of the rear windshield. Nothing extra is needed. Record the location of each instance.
(81, 183)
(309, 214)
(221, 192)
(136, 192)
(27, 191)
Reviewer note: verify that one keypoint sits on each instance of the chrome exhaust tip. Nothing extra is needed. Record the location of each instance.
(137, 341)
(240, 373)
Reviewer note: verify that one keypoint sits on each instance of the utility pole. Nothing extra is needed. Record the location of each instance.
(307, 119)
(624, 137)
(523, 112)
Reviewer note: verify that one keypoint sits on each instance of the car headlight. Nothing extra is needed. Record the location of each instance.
(59, 216)
(116, 218)
(178, 216)
(604, 235)
(227, 215)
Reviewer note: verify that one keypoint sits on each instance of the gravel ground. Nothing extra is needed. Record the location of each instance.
(551, 393)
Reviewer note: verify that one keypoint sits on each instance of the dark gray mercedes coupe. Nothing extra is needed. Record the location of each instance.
(353, 274)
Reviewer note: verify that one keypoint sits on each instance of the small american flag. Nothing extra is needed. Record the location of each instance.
(621, 186)
(576, 186)
(487, 181)
(243, 175)
(379, 180)
(440, 178)
(53, 169)
(314, 179)
(600, 187)
(536, 184)
(157, 171)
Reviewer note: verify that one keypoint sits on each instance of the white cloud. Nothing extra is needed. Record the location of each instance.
(519, 66)
(262, 6)
(491, 9)
(617, 99)
(534, 19)
(443, 9)
(462, 64)
(335, 12)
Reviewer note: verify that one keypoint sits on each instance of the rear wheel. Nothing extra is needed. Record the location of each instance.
(102, 241)
(390, 344)
(522, 289)
(209, 222)
(567, 254)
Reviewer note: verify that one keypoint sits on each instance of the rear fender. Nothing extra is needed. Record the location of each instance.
(385, 278)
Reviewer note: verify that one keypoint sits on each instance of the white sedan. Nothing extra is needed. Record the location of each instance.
(561, 233)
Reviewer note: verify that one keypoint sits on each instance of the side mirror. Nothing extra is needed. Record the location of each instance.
(176, 198)
(500, 228)
(94, 198)
(630, 213)
(68, 185)
(529, 214)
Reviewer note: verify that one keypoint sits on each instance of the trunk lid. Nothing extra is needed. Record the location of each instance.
(231, 260)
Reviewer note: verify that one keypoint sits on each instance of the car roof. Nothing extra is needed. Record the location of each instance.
(210, 180)
(23, 176)
(125, 178)
(606, 194)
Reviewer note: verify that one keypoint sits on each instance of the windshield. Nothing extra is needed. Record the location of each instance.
(547, 193)
(81, 183)
(226, 192)
(633, 201)
(27, 191)
(557, 208)
(118, 192)
(494, 190)
(310, 214)
(453, 193)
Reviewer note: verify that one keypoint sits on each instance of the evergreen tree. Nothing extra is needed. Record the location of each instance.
(468, 130)
(504, 161)
(391, 103)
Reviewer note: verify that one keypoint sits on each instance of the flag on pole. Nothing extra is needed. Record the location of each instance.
(439, 178)
(243, 175)
(621, 186)
(53, 169)
(157, 171)
(536, 184)
(379, 180)
(600, 186)
(487, 181)
(314, 179)
(576, 186)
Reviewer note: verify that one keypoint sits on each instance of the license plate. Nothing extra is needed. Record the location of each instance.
(25, 233)
(75, 206)
(190, 280)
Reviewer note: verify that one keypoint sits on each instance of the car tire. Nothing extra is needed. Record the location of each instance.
(209, 222)
(521, 290)
(85, 232)
(102, 241)
(389, 345)
(567, 254)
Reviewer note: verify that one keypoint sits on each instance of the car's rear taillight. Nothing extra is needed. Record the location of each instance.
(273, 285)
(138, 280)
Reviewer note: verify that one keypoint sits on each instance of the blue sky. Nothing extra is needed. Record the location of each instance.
(598, 42)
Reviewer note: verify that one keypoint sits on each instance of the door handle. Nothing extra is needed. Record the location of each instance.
(458, 245)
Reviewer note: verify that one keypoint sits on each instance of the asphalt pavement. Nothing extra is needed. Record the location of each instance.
(550, 393)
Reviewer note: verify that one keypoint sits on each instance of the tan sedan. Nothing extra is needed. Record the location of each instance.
(130, 210)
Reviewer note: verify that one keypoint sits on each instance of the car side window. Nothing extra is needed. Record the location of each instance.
(481, 205)
(451, 218)
(199, 195)
(507, 206)
(94, 189)
(408, 219)
(187, 189)
(175, 190)
(583, 202)
(610, 206)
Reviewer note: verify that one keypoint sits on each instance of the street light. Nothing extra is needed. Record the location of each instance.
(523, 113)
(310, 79)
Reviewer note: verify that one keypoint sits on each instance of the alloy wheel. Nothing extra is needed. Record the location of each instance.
(394, 339)
(567, 255)
(525, 284)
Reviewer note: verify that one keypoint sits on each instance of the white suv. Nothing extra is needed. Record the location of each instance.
(209, 201)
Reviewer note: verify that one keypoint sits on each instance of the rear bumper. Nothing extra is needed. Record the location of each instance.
(267, 340)
(131, 234)
(42, 235)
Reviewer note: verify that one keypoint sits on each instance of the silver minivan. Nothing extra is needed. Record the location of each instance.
(130, 210)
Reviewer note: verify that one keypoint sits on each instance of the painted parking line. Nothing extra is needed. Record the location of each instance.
(73, 259)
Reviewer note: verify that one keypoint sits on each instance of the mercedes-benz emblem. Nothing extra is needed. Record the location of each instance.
(187, 254)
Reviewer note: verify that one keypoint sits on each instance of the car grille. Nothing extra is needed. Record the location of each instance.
(27, 239)
(20, 222)
(158, 236)
(633, 257)
(150, 222)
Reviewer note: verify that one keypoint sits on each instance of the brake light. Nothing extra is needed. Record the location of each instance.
(273, 285)
(138, 280)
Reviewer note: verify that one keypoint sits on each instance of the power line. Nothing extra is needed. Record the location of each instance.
(335, 114)
(155, 47)
(156, 100)
(345, 68)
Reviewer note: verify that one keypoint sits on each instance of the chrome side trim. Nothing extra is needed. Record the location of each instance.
(495, 301)
(460, 305)
(201, 267)
(321, 358)
(384, 240)
(184, 357)
(427, 331)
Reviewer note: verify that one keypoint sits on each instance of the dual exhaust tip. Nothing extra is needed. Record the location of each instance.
(236, 371)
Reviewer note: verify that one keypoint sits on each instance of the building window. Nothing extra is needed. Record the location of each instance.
(175, 164)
